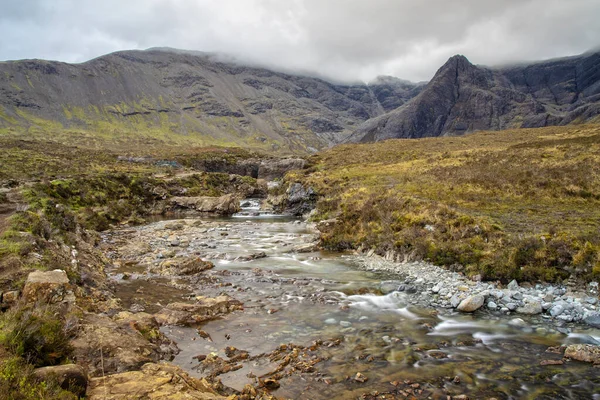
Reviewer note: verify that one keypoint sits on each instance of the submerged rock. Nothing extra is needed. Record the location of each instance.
(583, 352)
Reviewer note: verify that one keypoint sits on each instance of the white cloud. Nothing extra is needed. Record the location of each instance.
(340, 39)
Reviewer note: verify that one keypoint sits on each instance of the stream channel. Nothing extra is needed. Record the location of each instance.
(345, 337)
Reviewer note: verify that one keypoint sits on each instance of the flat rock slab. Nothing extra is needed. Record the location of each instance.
(204, 309)
(152, 381)
(46, 286)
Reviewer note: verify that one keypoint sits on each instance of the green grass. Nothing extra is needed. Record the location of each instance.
(521, 203)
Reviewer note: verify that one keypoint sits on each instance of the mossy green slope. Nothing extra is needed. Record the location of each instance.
(521, 203)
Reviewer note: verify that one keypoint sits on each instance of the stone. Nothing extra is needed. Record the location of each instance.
(513, 285)
(531, 306)
(456, 300)
(591, 300)
(517, 295)
(471, 303)
(492, 306)
(551, 362)
(223, 205)
(46, 286)
(511, 306)
(593, 320)
(104, 346)
(517, 323)
(70, 377)
(360, 378)
(10, 297)
(556, 310)
(204, 309)
(181, 266)
(306, 248)
(583, 352)
(152, 381)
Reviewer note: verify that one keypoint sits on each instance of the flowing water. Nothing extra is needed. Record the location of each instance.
(340, 321)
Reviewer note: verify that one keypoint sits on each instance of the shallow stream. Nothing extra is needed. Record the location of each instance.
(338, 317)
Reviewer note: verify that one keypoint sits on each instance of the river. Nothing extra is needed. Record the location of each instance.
(344, 335)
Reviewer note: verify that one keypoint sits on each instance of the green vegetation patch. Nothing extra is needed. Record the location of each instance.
(521, 204)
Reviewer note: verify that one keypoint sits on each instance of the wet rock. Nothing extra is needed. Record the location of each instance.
(306, 248)
(224, 205)
(204, 309)
(251, 257)
(360, 378)
(511, 306)
(70, 377)
(556, 310)
(270, 384)
(583, 352)
(153, 381)
(551, 362)
(471, 303)
(46, 286)
(593, 320)
(517, 323)
(182, 266)
(531, 306)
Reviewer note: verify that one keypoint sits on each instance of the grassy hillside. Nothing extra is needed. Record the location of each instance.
(521, 203)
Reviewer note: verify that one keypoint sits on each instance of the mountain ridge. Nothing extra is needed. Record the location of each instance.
(463, 98)
(197, 98)
(189, 96)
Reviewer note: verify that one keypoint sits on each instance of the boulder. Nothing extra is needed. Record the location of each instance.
(70, 377)
(46, 286)
(223, 205)
(471, 303)
(152, 381)
(583, 352)
(204, 309)
(531, 306)
(593, 320)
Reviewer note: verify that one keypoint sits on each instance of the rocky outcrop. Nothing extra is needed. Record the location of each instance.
(462, 98)
(203, 309)
(104, 345)
(223, 205)
(152, 381)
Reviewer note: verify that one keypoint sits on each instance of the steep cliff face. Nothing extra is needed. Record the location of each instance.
(169, 93)
(463, 98)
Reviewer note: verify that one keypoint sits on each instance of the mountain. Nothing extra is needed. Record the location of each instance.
(181, 96)
(463, 97)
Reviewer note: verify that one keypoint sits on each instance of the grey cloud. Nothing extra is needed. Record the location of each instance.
(338, 39)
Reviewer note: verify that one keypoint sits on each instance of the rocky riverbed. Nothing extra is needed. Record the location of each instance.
(254, 306)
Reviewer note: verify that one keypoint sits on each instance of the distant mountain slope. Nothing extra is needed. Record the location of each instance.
(173, 94)
(463, 97)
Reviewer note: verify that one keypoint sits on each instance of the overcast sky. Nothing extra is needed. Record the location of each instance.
(339, 39)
